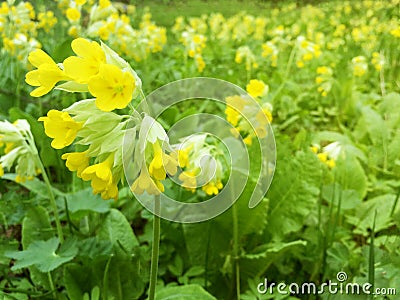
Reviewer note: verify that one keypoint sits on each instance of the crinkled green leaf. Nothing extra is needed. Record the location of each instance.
(35, 185)
(184, 292)
(43, 255)
(85, 200)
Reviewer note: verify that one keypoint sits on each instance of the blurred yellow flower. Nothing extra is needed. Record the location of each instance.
(73, 14)
(256, 88)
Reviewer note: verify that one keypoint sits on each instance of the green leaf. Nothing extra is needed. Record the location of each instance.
(78, 280)
(185, 292)
(42, 254)
(350, 199)
(365, 213)
(94, 248)
(35, 185)
(294, 192)
(350, 175)
(36, 226)
(85, 200)
(63, 50)
(255, 263)
(118, 231)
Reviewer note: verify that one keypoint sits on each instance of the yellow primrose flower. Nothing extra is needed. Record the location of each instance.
(232, 115)
(76, 161)
(188, 179)
(101, 178)
(100, 171)
(112, 87)
(248, 140)
(73, 31)
(60, 127)
(47, 74)
(331, 163)
(323, 70)
(90, 56)
(1, 170)
(183, 156)
(212, 188)
(300, 64)
(9, 147)
(395, 32)
(73, 14)
(162, 163)
(314, 149)
(322, 156)
(104, 3)
(257, 88)
(145, 183)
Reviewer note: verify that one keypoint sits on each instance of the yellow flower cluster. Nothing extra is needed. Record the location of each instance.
(359, 65)
(270, 51)
(328, 154)
(238, 105)
(193, 40)
(324, 80)
(95, 69)
(200, 164)
(18, 28)
(113, 83)
(92, 124)
(47, 20)
(19, 150)
(245, 54)
(154, 158)
(378, 60)
(307, 51)
(108, 24)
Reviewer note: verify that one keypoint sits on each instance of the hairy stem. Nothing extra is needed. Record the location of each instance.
(236, 249)
(155, 249)
(52, 201)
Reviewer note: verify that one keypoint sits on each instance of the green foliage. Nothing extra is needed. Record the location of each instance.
(294, 193)
(45, 255)
(190, 291)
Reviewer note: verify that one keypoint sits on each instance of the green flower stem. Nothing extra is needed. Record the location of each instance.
(52, 200)
(53, 290)
(155, 249)
(236, 249)
(286, 75)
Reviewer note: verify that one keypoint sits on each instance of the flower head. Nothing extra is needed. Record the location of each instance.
(144, 183)
(257, 88)
(101, 178)
(112, 87)
(21, 153)
(87, 64)
(47, 74)
(61, 128)
(76, 161)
